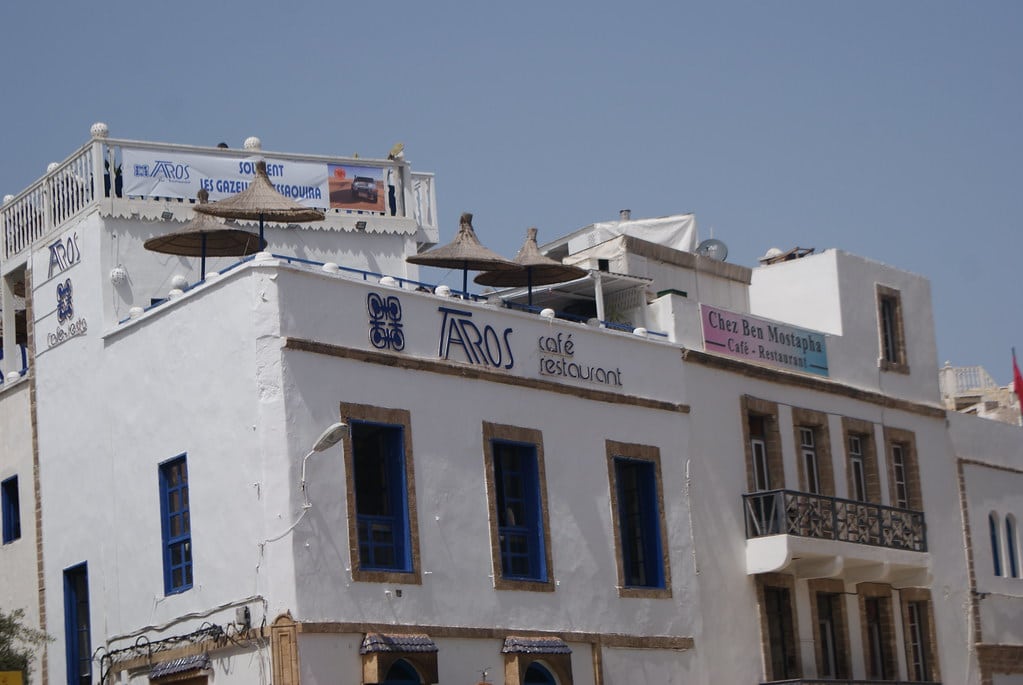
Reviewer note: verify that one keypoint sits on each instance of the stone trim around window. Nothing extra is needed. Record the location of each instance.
(496, 431)
(907, 439)
(864, 430)
(818, 422)
(398, 417)
(898, 364)
(867, 591)
(782, 581)
(752, 406)
(923, 596)
(642, 453)
(831, 586)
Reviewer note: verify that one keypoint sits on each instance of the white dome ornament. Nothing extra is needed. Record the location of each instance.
(253, 143)
(118, 275)
(99, 130)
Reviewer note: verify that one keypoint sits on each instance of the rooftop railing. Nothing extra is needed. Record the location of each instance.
(94, 171)
(788, 512)
(402, 283)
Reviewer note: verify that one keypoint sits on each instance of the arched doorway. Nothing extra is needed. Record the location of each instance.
(401, 672)
(537, 674)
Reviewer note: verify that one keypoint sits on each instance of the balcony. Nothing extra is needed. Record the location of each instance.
(816, 536)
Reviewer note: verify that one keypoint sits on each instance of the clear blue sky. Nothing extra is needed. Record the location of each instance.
(889, 129)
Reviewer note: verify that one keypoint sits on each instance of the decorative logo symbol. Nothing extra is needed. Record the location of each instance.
(65, 305)
(167, 170)
(385, 329)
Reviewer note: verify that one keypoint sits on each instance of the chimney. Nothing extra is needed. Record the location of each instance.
(625, 215)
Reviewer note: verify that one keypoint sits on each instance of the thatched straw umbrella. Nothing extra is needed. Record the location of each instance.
(205, 236)
(464, 252)
(261, 201)
(533, 269)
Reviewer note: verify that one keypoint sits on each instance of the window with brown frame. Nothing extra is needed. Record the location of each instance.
(861, 461)
(764, 468)
(891, 331)
(380, 482)
(778, 627)
(919, 635)
(903, 469)
(517, 497)
(638, 521)
(813, 445)
(876, 621)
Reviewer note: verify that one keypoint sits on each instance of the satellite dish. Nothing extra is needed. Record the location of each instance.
(713, 248)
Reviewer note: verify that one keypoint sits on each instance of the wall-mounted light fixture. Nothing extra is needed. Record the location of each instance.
(360, 225)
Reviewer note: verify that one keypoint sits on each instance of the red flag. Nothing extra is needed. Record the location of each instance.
(1017, 378)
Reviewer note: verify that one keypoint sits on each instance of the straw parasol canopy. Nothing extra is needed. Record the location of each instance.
(261, 201)
(204, 237)
(464, 252)
(534, 268)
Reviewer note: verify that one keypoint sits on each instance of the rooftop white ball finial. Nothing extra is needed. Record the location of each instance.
(253, 143)
(8, 198)
(179, 282)
(547, 313)
(99, 130)
(51, 167)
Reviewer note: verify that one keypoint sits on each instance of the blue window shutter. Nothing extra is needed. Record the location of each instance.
(77, 639)
(176, 527)
(519, 515)
(10, 503)
(381, 496)
(639, 523)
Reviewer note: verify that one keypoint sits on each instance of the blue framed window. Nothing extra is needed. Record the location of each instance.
(381, 496)
(176, 524)
(1010, 545)
(996, 543)
(519, 516)
(11, 506)
(638, 516)
(77, 640)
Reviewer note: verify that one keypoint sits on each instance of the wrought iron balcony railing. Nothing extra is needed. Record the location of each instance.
(832, 681)
(787, 512)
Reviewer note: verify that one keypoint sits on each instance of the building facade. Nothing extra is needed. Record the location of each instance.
(674, 470)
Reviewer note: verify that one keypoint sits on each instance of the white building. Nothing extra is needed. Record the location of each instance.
(697, 473)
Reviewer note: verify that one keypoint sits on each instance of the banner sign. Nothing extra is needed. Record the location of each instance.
(156, 173)
(761, 340)
(356, 187)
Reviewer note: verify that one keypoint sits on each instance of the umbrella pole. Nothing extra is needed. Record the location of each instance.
(465, 280)
(529, 284)
(261, 230)
(202, 268)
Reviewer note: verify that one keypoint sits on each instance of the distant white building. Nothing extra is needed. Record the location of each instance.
(693, 472)
(972, 390)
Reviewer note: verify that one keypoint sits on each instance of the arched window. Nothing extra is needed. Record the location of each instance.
(536, 674)
(996, 547)
(402, 673)
(1010, 545)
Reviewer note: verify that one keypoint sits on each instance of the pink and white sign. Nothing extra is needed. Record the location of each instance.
(763, 341)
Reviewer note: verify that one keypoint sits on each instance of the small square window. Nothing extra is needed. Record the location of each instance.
(176, 525)
(11, 506)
